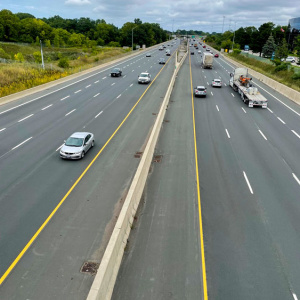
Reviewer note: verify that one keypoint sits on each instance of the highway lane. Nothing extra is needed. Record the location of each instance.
(33, 178)
(247, 158)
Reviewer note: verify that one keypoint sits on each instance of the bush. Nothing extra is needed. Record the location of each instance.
(63, 62)
(237, 51)
(37, 57)
(3, 54)
(113, 44)
(281, 67)
(296, 76)
(19, 57)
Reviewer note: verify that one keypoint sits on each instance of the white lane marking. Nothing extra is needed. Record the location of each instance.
(278, 100)
(21, 143)
(280, 120)
(212, 93)
(244, 110)
(99, 114)
(296, 178)
(150, 67)
(269, 110)
(132, 71)
(225, 84)
(62, 99)
(119, 96)
(2, 129)
(217, 107)
(227, 133)
(139, 66)
(113, 83)
(207, 83)
(97, 95)
(59, 147)
(77, 91)
(295, 133)
(295, 296)
(96, 81)
(262, 135)
(131, 85)
(246, 178)
(25, 118)
(47, 107)
(124, 76)
(70, 112)
(88, 86)
(104, 77)
(127, 65)
(232, 94)
(204, 76)
(216, 71)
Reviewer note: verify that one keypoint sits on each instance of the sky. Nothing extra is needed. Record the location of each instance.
(205, 15)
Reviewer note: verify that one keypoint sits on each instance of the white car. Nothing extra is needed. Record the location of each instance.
(144, 78)
(217, 83)
(289, 59)
(148, 54)
(199, 51)
(77, 145)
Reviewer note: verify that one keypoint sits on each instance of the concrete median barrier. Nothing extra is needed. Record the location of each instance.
(105, 278)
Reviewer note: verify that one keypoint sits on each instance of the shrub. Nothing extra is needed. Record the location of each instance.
(281, 67)
(237, 51)
(63, 62)
(19, 57)
(296, 76)
(37, 57)
(3, 54)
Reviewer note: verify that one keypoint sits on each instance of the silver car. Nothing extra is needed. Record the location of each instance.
(77, 145)
(217, 83)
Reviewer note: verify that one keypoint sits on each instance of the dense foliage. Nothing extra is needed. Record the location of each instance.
(56, 31)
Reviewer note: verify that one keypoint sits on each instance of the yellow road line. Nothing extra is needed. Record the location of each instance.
(17, 259)
(205, 297)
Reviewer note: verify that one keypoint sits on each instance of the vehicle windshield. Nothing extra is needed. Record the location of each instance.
(74, 142)
(144, 75)
(200, 89)
(115, 70)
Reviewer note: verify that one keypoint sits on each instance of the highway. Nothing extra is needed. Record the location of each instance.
(35, 183)
(249, 170)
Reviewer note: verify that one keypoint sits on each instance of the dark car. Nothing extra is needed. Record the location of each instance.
(192, 52)
(116, 72)
(204, 46)
(162, 61)
(216, 55)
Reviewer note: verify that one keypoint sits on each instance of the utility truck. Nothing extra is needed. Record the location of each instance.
(242, 83)
(207, 60)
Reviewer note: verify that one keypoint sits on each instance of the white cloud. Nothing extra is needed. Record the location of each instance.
(77, 2)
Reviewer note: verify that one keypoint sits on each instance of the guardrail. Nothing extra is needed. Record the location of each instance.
(105, 278)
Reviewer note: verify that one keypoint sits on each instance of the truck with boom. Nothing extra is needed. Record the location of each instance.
(242, 83)
(207, 60)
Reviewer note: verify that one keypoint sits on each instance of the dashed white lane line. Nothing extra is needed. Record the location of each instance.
(249, 185)
(70, 112)
(217, 107)
(99, 114)
(62, 99)
(113, 83)
(47, 107)
(127, 65)
(244, 110)
(124, 76)
(262, 135)
(131, 85)
(119, 96)
(97, 95)
(207, 83)
(88, 86)
(281, 120)
(25, 118)
(232, 94)
(269, 110)
(295, 296)
(2, 129)
(225, 84)
(204, 76)
(132, 71)
(96, 81)
(295, 133)
(212, 93)
(77, 91)
(104, 77)
(21, 143)
(227, 133)
(296, 178)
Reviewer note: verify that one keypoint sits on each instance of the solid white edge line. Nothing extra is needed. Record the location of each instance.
(21, 143)
(262, 134)
(246, 178)
(227, 133)
(244, 110)
(2, 129)
(295, 296)
(280, 120)
(97, 95)
(296, 178)
(70, 112)
(99, 114)
(217, 107)
(64, 98)
(47, 107)
(269, 110)
(295, 133)
(59, 147)
(26, 118)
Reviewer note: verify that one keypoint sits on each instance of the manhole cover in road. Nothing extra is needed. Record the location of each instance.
(90, 267)
(157, 158)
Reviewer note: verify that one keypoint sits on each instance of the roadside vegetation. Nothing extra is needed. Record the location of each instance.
(69, 46)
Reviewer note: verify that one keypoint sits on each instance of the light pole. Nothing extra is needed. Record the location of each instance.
(132, 36)
(233, 35)
(43, 66)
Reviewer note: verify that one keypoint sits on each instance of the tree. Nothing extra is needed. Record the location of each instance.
(282, 50)
(9, 26)
(269, 47)
(264, 31)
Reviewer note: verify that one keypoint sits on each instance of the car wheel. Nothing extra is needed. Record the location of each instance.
(93, 143)
(82, 154)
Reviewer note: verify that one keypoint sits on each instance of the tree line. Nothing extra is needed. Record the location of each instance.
(59, 32)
